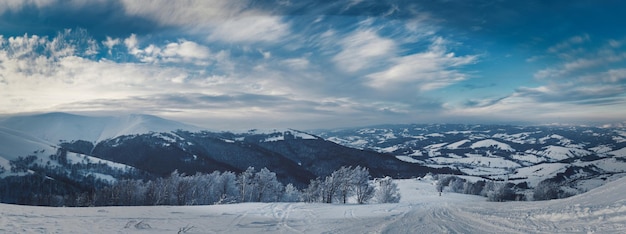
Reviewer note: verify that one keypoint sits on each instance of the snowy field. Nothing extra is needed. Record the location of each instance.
(421, 210)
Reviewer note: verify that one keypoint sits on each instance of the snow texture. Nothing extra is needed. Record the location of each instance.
(602, 210)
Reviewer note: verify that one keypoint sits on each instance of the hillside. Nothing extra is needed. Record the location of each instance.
(576, 156)
(81, 153)
(601, 210)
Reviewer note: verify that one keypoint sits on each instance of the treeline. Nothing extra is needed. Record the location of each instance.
(502, 191)
(249, 186)
(345, 185)
(58, 182)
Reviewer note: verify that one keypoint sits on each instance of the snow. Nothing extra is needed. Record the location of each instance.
(520, 138)
(14, 144)
(389, 149)
(601, 149)
(531, 158)
(457, 144)
(76, 158)
(435, 135)
(279, 135)
(559, 152)
(620, 152)
(537, 173)
(602, 210)
(477, 161)
(408, 159)
(491, 143)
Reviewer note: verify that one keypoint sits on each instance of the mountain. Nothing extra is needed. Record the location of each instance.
(79, 150)
(64, 127)
(580, 157)
(296, 157)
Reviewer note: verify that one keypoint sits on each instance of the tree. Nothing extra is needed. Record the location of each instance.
(268, 189)
(228, 189)
(245, 182)
(386, 191)
(343, 178)
(546, 190)
(291, 194)
(313, 192)
(362, 188)
(501, 192)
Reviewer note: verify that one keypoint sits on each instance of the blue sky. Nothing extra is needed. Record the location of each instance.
(317, 64)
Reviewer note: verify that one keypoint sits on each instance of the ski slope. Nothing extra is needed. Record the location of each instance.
(602, 210)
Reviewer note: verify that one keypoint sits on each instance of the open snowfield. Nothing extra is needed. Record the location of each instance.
(421, 210)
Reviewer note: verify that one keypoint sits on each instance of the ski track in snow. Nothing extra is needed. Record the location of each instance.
(422, 210)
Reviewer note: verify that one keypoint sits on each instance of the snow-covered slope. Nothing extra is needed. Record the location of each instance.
(14, 144)
(56, 127)
(602, 210)
(568, 154)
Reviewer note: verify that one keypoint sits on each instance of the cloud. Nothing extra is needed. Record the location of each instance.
(182, 51)
(428, 70)
(601, 56)
(19, 5)
(187, 13)
(218, 20)
(250, 29)
(363, 49)
(569, 43)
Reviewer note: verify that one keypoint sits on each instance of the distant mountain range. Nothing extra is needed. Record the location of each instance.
(581, 157)
(79, 149)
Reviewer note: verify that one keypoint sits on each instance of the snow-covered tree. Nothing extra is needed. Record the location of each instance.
(343, 180)
(386, 190)
(313, 192)
(245, 182)
(291, 194)
(501, 192)
(361, 186)
(268, 189)
(546, 190)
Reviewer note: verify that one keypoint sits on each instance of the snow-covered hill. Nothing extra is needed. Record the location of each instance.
(602, 210)
(577, 156)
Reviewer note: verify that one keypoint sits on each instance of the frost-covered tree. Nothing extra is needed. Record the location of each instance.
(386, 190)
(313, 192)
(291, 194)
(501, 192)
(343, 179)
(546, 190)
(245, 182)
(268, 189)
(361, 186)
(329, 188)
(227, 188)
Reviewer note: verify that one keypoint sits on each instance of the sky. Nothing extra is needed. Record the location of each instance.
(225, 64)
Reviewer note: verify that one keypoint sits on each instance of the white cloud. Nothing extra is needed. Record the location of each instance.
(363, 49)
(569, 43)
(14, 5)
(185, 13)
(110, 43)
(183, 51)
(250, 29)
(428, 70)
(219, 20)
(584, 62)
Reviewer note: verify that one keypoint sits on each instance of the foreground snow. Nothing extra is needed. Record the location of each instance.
(421, 210)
